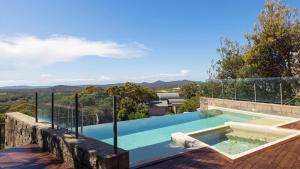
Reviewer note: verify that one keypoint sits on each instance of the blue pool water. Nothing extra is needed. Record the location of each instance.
(148, 139)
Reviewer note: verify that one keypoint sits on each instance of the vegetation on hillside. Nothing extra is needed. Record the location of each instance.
(94, 102)
(133, 100)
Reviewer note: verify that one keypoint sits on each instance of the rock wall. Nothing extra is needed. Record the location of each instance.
(82, 153)
(19, 132)
(275, 109)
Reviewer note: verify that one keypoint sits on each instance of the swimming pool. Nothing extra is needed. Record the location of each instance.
(149, 139)
(235, 140)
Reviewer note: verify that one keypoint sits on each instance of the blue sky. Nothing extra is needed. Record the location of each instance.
(97, 42)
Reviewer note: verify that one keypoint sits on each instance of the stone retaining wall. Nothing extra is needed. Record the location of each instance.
(82, 153)
(275, 109)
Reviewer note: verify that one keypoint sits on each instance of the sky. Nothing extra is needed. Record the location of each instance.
(74, 42)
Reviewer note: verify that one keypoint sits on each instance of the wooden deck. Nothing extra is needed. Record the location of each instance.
(285, 156)
(29, 157)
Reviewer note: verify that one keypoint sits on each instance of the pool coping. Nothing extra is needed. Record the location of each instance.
(251, 152)
(288, 120)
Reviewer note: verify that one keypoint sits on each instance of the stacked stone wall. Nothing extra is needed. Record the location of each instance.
(81, 153)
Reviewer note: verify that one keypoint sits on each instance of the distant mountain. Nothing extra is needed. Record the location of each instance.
(153, 85)
(22, 87)
(61, 88)
(156, 84)
(162, 84)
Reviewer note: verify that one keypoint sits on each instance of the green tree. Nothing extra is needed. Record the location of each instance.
(189, 90)
(298, 99)
(133, 100)
(231, 63)
(190, 105)
(274, 45)
(273, 49)
(2, 117)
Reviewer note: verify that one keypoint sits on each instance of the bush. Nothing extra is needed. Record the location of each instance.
(169, 113)
(298, 99)
(2, 117)
(190, 105)
(132, 116)
(123, 114)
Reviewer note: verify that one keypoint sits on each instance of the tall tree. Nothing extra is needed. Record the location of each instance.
(231, 62)
(189, 90)
(133, 100)
(273, 47)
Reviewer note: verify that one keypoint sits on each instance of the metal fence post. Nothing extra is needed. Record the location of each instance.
(1, 139)
(57, 118)
(76, 115)
(72, 116)
(81, 127)
(52, 110)
(36, 107)
(115, 126)
(254, 92)
(281, 100)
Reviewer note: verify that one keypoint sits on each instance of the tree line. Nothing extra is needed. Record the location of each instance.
(272, 50)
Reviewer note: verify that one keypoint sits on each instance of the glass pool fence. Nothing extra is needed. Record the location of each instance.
(278, 90)
(75, 111)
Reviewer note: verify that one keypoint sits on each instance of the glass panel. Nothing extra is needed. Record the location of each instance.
(268, 90)
(44, 107)
(95, 109)
(291, 91)
(205, 89)
(64, 106)
(245, 89)
(229, 89)
(216, 89)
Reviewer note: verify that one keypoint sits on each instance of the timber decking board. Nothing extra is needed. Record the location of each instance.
(29, 157)
(284, 156)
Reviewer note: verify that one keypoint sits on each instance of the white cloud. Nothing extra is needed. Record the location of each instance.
(47, 81)
(164, 76)
(181, 73)
(45, 75)
(184, 71)
(31, 50)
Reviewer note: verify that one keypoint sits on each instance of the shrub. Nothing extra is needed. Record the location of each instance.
(132, 116)
(190, 105)
(298, 99)
(169, 113)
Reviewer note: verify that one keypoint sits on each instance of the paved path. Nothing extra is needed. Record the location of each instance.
(29, 157)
